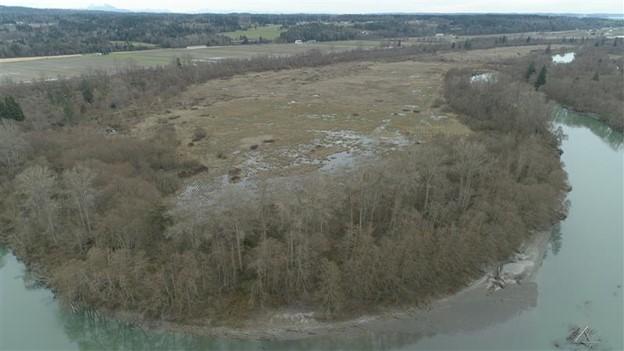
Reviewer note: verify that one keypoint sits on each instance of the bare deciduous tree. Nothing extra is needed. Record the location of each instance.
(79, 186)
(37, 185)
(13, 147)
(330, 292)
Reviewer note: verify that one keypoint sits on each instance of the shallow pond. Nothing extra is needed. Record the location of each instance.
(564, 58)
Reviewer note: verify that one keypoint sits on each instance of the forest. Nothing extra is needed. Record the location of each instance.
(38, 32)
(94, 212)
(593, 82)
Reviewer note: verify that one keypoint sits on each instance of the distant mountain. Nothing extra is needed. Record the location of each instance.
(105, 7)
(155, 11)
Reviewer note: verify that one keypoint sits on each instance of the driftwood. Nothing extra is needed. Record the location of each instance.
(497, 281)
(582, 336)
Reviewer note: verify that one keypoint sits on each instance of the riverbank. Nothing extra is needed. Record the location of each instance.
(471, 201)
(586, 244)
(475, 306)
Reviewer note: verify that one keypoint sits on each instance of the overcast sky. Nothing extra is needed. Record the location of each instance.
(342, 6)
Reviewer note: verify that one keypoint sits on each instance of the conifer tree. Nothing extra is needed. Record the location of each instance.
(541, 78)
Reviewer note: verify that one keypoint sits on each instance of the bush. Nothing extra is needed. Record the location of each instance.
(10, 109)
(199, 134)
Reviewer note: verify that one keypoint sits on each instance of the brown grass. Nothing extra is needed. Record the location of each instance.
(287, 115)
(496, 55)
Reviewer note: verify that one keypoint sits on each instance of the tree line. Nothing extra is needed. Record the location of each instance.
(37, 32)
(592, 82)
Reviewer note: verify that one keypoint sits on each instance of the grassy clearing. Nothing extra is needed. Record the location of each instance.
(497, 54)
(269, 32)
(290, 122)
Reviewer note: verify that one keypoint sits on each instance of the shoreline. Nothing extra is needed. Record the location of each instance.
(475, 306)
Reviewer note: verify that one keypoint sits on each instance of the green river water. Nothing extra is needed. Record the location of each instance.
(579, 283)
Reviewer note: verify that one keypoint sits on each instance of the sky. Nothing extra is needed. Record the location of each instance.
(342, 6)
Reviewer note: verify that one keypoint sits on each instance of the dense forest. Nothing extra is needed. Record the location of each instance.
(593, 82)
(37, 32)
(92, 211)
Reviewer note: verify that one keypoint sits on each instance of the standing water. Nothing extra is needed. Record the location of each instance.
(565, 58)
(579, 283)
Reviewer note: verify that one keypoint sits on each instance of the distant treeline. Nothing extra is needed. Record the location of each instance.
(36, 32)
(392, 26)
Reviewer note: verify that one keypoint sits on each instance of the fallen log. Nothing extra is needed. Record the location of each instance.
(582, 333)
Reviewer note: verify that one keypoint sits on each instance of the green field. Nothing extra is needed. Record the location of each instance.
(269, 32)
(27, 69)
(134, 43)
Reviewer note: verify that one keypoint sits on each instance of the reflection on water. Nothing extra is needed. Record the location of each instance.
(25, 308)
(556, 240)
(587, 244)
(3, 253)
(92, 332)
(580, 283)
(571, 119)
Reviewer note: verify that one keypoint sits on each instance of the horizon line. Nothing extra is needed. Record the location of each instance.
(206, 11)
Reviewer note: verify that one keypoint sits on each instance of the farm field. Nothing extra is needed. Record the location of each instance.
(51, 67)
(27, 69)
(269, 32)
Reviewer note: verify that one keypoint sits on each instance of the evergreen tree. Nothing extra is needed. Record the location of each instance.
(530, 71)
(86, 90)
(541, 78)
(10, 109)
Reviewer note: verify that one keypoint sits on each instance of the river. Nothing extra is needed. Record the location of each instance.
(579, 283)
